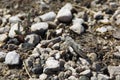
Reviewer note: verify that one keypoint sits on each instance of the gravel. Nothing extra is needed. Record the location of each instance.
(59, 40)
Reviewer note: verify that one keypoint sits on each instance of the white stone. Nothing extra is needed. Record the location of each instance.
(14, 19)
(78, 20)
(59, 31)
(113, 70)
(84, 61)
(51, 65)
(67, 6)
(64, 15)
(43, 77)
(39, 26)
(50, 16)
(4, 29)
(32, 39)
(15, 27)
(3, 37)
(12, 58)
(72, 78)
(102, 77)
(86, 72)
(101, 30)
(77, 28)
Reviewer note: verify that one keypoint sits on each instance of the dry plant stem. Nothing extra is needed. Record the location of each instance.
(91, 11)
(27, 70)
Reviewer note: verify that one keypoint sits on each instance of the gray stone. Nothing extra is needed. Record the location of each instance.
(117, 77)
(4, 29)
(84, 61)
(103, 77)
(64, 15)
(83, 78)
(43, 76)
(14, 19)
(37, 69)
(32, 39)
(59, 31)
(117, 54)
(2, 56)
(3, 37)
(94, 78)
(50, 16)
(113, 70)
(56, 46)
(86, 73)
(78, 20)
(40, 27)
(12, 58)
(101, 30)
(77, 28)
(72, 78)
(51, 66)
(116, 34)
(14, 30)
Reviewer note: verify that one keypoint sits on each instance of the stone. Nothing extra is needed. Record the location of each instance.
(93, 78)
(116, 54)
(64, 15)
(72, 78)
(37, 69)
(40, 27)
(14, 19)
(2, 56)
(57, 55)
(102, 77)
(13, 41)
(56, 46)
(32, 39)
(86, 73)
(83, 78)
(116, 34)
(59, 31)
(78, 20)
(12, 58)
(98, 15)
(43, 6)
(84, 61)
(43, 76)
(4, 29)
(96, 66)
(50, 16)
(14, 30)
(51, 66)
(113, 70)
(117, 77)
(77, 28)
(92, 56)
(101, 30)
(3, 37)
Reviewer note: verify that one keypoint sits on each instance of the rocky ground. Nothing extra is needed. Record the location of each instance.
(59, 40)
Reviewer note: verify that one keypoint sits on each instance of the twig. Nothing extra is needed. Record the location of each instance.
(91, 11)
(27, 70)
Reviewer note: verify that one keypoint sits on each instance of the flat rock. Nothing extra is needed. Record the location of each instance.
(43, 76)
(77, 28)
(78, 20)
(51, 66)
(12, 58)
(4, 29)
(50, 16)
(16, 28)
(40, 27)
(86, 73)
